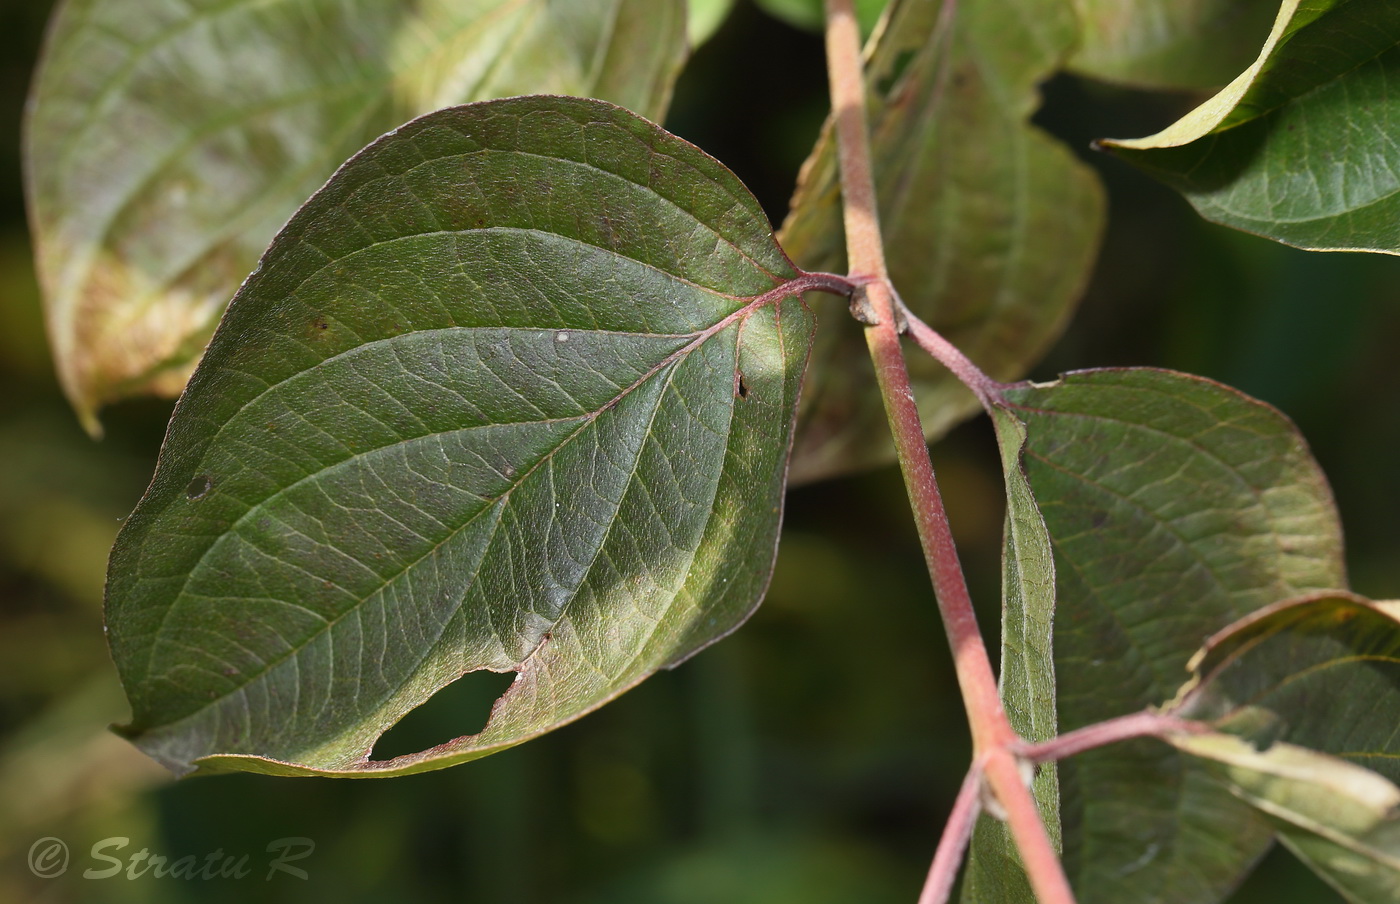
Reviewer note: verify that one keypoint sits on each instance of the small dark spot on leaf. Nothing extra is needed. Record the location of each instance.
(1100, 519)
(743, 388)
(199, 487)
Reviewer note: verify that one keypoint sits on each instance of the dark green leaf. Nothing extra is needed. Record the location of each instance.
(515, 392)
(990, 225)
(1298, 148)
(168, 142)
(1175, 505)
(1340, 819)
(1170, 43)
(811, 14)
(994, 873)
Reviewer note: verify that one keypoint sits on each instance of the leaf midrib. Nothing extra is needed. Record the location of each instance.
(585, 420)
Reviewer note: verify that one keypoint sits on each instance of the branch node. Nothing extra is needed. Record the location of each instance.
(863, 310)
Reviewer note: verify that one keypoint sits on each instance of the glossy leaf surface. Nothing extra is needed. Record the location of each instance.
(1170, 43)
(1299, 147)
(515, 392)
(169, 141)
(990, 225)
(1174, 505)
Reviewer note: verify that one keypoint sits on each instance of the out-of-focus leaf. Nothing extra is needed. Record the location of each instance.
(1299, 147)
(811, 14)
(1325, 667)
(1340, 819)
(990, 225)
(66, 762)
(994, 873)
(1170, 43)
(168, 142)
(514, 391)
(703, 19)
(1175, 505)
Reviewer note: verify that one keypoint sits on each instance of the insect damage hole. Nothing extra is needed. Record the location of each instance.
(460, 708)
(199, 487)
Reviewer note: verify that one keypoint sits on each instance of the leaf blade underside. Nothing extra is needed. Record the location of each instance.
(1174, 506)
(513, 392)
(1305, 687)
(1169, 44)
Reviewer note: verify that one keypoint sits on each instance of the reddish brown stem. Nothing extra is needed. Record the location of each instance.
(867, 258)
(1145, 724)
(1038, 854)
(956, 834)
(987, 390)
(992, 735)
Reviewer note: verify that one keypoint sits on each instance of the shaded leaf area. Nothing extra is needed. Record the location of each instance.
(1298, 148)
(514, 392)
(1312, 684)
(994, 873)
(703, 19)
(1170, 44)
(990, 225)
(1174, 506)
(1325, 669)
(1338, 818)
(169, 141)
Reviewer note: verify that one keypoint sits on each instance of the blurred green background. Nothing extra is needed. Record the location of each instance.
(813, 756)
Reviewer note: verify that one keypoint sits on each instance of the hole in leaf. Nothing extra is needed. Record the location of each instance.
(461, 708)
(199, 487)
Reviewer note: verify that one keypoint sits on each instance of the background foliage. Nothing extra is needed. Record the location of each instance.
(812, 756)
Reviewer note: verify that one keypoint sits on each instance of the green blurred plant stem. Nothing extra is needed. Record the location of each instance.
(994, 741)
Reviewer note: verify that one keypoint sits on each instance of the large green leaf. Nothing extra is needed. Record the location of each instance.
(514, 391)
(1174, 505)
(1340, 819)
(989, 224)
(994, 872)
(1170, 43)
(1299, 147)
(169, 141)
